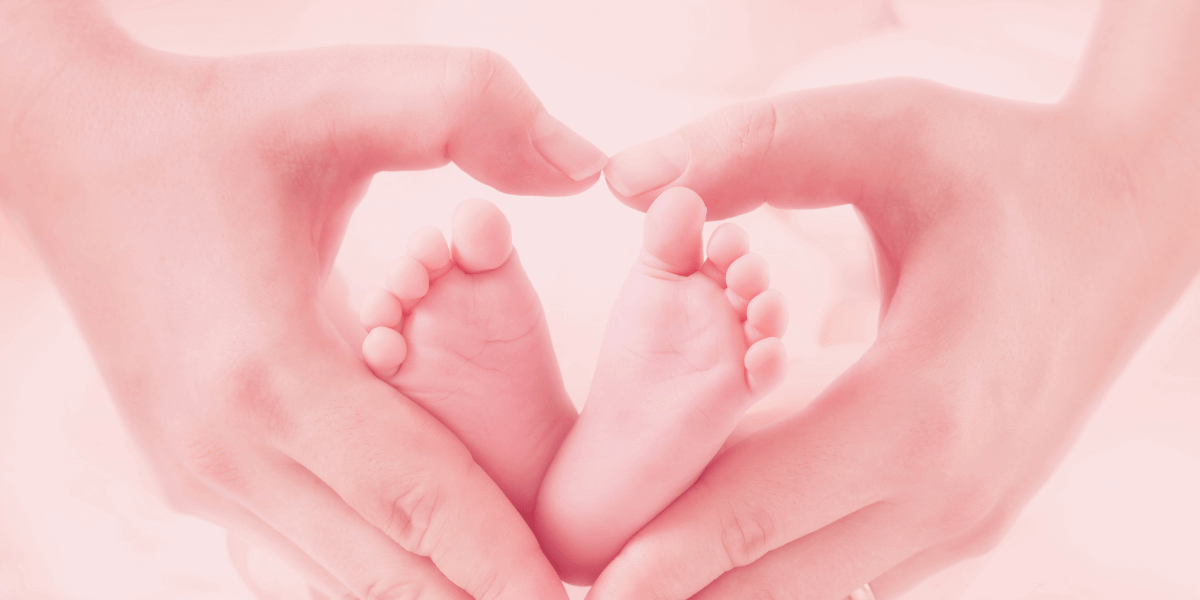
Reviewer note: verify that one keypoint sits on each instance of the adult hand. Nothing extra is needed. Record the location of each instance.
(1024, 252)
(190, 209)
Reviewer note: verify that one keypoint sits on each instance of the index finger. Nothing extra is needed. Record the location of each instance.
(808, 149)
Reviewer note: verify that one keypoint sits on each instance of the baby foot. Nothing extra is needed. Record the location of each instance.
(690, 344)
(462, 333)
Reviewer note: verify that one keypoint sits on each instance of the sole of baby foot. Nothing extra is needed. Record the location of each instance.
(460, 330)
(690, 344)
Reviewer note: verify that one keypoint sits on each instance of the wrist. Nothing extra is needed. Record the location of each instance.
(1140, 79)
(1134, 113)
(46, 44)
(63, 62)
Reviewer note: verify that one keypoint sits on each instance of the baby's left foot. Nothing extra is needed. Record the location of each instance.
(690, 345)
(463, 334)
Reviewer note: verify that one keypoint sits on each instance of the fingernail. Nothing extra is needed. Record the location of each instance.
(576, 157)
(648, 165)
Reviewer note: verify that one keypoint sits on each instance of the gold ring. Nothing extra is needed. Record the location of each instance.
(862, 593)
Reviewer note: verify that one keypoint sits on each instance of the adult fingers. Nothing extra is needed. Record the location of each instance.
(826, 564)
(916, 569)
(412, 480)
(416, 107)
(367, 562)
(773, 488)
(245, 527)
(206, 502)
(803, 149)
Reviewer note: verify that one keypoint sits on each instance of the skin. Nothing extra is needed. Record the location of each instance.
(461, 332)
(1024, 253)
(189, 211)
(1088, 200)
(690, 344)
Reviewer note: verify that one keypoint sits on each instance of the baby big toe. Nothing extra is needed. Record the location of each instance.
(766, 316)
(746, 278)
(672, 237)
(727, 244)
(482, 237)
(383, 350)
(766, 365)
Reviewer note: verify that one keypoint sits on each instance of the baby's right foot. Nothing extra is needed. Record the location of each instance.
(690, 345)
(463, 334)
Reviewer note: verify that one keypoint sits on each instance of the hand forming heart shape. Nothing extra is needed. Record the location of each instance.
(1011, 293)
(690, 344)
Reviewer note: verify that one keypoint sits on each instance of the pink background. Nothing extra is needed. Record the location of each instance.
(81, 518)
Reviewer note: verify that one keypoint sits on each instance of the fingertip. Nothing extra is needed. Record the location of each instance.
(647, 167)
(640, 203)
(566, 150)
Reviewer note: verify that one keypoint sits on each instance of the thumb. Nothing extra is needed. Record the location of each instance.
(804, 149)
(418, 107)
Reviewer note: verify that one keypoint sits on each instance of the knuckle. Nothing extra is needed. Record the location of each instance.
(490, 586)
(477, 77)
(955, 488)
(214, 462)
(936, 442)
(965, 509)
(931, 443)
(750, 129)
(415, 505)
(919, 116)
(746, 535)
(243, 402)
(249, 394)
(904, 102)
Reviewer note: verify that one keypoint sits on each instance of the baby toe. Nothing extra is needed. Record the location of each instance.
(727, 244)
(384, 349)
(672, 238)
(766, 316)
(482, 237)
(428, 246)
(746, 278)
(407, 279)
(766, 365)
(381, 309)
